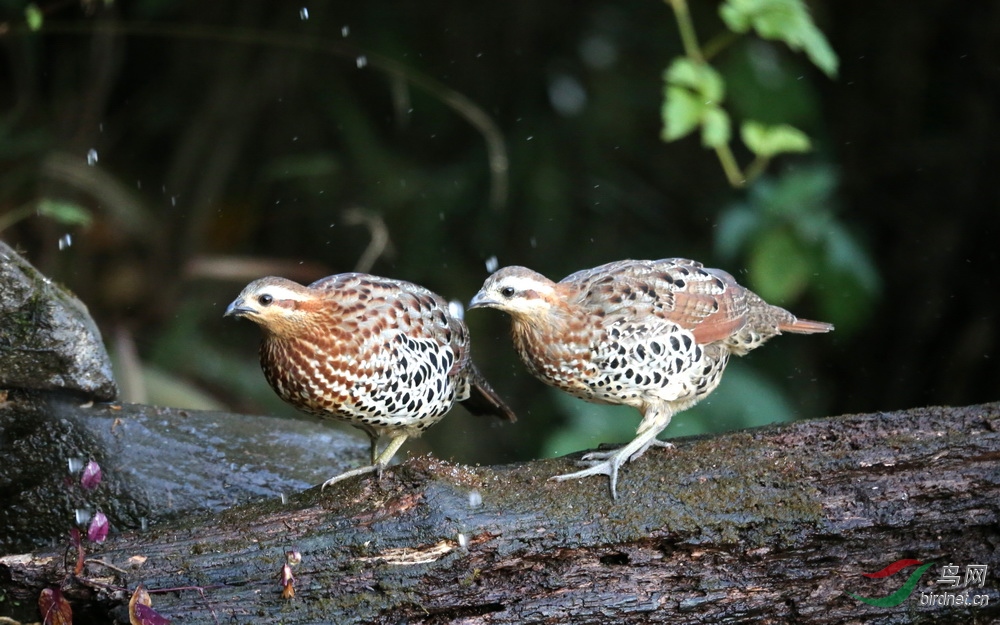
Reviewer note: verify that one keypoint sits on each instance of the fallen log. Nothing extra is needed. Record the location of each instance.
(776, 524)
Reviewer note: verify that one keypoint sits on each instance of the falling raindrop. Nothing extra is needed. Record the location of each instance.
(82, 516)
(492, 264)
(65, 241)
(463, 541)
(303, 13)
(173, 200)
(456, 309)
(75, 464)
(475, 499)
(362, 61)
(345, 30)
(91, 156)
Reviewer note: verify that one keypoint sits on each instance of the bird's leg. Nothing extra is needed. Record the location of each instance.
(379, 460)
(382, 461)
(607, 463)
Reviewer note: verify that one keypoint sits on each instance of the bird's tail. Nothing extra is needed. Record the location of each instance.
(804, 326)
(483, 400)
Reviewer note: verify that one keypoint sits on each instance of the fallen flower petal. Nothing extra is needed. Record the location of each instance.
(98, 530)
(91, 475)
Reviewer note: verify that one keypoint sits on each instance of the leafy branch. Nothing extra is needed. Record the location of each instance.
(695, 91)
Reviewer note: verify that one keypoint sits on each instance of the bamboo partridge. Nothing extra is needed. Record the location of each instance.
(651, 334)
(383, 355)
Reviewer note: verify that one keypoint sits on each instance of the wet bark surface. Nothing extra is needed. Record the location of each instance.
(776, 525)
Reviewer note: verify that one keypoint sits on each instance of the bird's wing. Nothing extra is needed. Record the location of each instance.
(707, 302)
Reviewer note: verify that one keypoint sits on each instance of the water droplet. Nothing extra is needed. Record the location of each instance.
(91, 157)
(345, 30)
(75, 464)
(463, 541)
(82, 516)
(362, 61)
(143, 524)
(492, 264)
(303, 13)
(456, 309)
(530, 137)
(65, 241)
(173, 200)
(534, 242)
(475, 499)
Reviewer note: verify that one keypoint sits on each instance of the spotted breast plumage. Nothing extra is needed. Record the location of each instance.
(383, 355)
(652, 334)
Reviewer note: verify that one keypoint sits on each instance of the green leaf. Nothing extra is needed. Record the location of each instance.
(779, 266)
(692, 97)
(682, 111)
(782, 20)
(715, 129)
(65, 213)
(700, 78)
(770, 141)
(34, 17)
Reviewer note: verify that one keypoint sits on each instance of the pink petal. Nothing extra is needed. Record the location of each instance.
(98, 530)
(91, 476)
(146, 615)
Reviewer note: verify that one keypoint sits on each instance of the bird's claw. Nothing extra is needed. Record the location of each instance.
(608, 467)
(352, 473)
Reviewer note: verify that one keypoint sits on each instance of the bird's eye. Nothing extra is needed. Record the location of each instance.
(265, 300)
(507, 291)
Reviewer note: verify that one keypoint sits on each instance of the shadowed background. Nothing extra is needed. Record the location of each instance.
(212, 143)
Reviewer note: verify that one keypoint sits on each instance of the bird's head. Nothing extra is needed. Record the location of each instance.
(522, 293)
(279, 306)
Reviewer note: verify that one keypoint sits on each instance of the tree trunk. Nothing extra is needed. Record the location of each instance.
(775, 525)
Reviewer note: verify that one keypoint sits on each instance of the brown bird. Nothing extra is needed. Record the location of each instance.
(651, 334)
(383, 355)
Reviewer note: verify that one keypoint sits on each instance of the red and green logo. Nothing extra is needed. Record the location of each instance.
(898, 597)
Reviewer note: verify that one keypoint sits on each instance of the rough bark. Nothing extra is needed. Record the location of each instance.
(775, 525)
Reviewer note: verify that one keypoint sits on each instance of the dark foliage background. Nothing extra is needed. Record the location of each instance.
(214, 142)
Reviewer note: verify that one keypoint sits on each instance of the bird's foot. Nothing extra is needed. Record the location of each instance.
(607, 467)
(607, 462)
(374, 468)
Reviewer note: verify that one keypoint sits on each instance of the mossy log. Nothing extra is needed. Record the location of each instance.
(774, 525)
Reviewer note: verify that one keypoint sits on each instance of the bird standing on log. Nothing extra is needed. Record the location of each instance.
(652, 334)
(383, 355)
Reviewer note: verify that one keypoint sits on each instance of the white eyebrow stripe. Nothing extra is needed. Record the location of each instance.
(282, 293)
(522, 283)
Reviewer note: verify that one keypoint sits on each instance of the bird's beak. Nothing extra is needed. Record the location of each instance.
(481, 300)
(238, 309)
